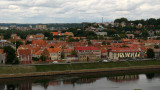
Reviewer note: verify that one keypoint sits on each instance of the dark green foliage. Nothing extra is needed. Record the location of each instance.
(35, 59)
(74, 53)
(156, 46)
(150, 53)
(103, 43)
(28, 42)
(11, 56)
(43, 57)
(18, 43)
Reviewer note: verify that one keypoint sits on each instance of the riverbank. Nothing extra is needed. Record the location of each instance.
(63, 69)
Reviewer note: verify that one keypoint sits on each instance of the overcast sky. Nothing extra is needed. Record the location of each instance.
(70, 11)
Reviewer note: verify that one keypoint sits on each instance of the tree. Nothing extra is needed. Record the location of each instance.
(89, 43)
(11, 56)
(28, 42)
(74, 53)
(43, 57)
(156, 46)
(150, 53)
(18, 43)
(103, 43)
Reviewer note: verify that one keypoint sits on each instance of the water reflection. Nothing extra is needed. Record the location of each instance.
(150, 75)
(74, 81)
(124, 78)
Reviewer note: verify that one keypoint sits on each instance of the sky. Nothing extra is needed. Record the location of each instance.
(76, 11)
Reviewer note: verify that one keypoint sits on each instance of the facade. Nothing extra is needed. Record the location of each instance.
(25, 56)
(14, 36)
(68, 34)
(4, 43)
(35, 37)
(41, 27)
(2, 56)
(102, 33)
(89, 53)
(57, 33)
(157, 53)
(53, 53)
(123, 53)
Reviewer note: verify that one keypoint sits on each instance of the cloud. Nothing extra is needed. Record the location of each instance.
(68, 11)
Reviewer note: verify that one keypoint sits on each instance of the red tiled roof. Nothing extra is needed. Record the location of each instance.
(24, 52)
(126, 49)
(86, 48)
(38, 52)
(56, 33)
(39, 42)
(68, 50)
(1, 51)
(51, 50)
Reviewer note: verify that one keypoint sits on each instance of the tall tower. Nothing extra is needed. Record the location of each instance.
(102, 19)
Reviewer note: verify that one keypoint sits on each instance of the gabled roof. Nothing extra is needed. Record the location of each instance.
(1, 51)
(24, 52)
(68, 50)
(86, 48)
(38, 52)
(125, 49)
(39, 42)
(54, 50)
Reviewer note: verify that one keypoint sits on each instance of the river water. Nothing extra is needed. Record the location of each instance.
(97, 81)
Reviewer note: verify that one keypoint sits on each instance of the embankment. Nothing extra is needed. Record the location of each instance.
(64, 69)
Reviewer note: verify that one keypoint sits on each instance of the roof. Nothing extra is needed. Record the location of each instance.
(56, 33)
(39, 42)
(126, 49)
(68, 33)
(24, 52)
(68, 50)
(1, 51)
(38, 52)
(86, 48)
(53, 50)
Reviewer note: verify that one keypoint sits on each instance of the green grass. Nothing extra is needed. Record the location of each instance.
(62, 67)
(57, 67)
(17, 69)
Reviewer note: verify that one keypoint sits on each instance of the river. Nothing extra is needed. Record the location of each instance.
(142, 80)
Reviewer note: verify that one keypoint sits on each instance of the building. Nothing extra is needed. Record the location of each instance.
(4, 43)
(53, 53)
(89, 53)
(41, 27)
(68, 34)
(2, 56)
(15, 37)
(1, 37)
(157, 53)
(41, 43)
(102, 33)
(66, 52)
(57, 33)
(117, 53)
(35, 37)
(25, 56)
(130, 36)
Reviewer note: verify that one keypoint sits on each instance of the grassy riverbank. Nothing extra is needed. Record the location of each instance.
(56, 67)
(63, 67)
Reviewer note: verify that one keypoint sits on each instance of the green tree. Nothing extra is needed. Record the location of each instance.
(28, 42)
(11, 55)
(74, 53)
(150, 53)
(89, 43)
(43, 57)
(103, 43)
(156, 46)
